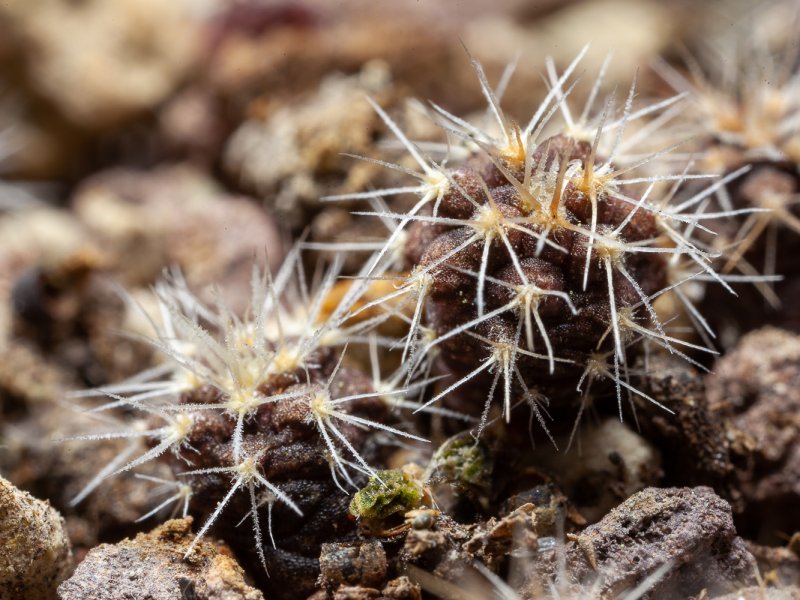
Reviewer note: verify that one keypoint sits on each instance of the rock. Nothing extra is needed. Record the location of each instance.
(151, 567)
(71, 312)
(356, 593)
(497, 539)
(35, 553)
(437, 548)
(98, 62)
(295, 155)
(176, 215)
(402, 588)
(562, 33)
(26, 379)
(689, 529)
(757, 387)
(352, 563)
(688, 533)
(422, 54)
(41, 236)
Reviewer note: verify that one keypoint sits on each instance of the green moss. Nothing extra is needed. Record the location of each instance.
(462, 460)
(390, 493)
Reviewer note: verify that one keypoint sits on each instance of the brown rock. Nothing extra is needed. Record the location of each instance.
(38, 236)
(176, 215)
(402, 588)
(26, 380)
(437, 549)
(356, 593)
(71, 312)
(689, 529)
(35, 553)
(354, 564)
(99, 63)
(151, 567)
(498, 538)
(757, 386)
(294, 155)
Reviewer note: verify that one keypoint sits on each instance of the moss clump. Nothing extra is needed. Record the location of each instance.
(462, 461)
(389, 493)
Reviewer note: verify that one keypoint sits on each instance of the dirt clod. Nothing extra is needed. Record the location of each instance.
(151, 566)
(35, 553)
(689, 529)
